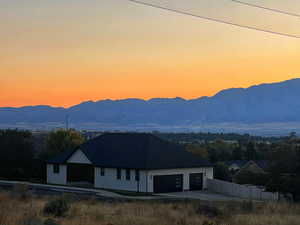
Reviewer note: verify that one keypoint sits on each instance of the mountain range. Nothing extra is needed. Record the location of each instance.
(264, 103)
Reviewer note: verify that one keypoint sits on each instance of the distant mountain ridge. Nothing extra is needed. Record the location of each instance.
(265, 103)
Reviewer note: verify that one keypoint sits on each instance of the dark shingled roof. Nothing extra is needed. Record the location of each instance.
(135, 151)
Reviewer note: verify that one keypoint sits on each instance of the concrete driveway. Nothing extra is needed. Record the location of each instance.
(202, 195)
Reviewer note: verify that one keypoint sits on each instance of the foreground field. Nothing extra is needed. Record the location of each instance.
(29, 210)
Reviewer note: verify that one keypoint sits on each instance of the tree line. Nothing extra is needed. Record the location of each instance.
(283, 162)
(21, 160)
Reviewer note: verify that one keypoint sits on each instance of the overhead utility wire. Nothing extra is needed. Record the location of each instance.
(266, 8)
(215, 20)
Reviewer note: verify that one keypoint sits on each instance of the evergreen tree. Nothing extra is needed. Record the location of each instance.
(16, 154)
(237, 153)
(250, 151)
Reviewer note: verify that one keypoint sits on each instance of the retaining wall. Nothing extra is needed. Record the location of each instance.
(242, 191)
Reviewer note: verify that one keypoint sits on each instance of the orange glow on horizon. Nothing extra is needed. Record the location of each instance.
(61, 55)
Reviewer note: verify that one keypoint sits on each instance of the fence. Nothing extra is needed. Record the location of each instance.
(241, 191)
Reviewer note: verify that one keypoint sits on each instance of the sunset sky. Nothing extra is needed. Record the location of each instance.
(62, 52)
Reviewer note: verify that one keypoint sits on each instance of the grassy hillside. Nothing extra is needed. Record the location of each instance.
(28, 210)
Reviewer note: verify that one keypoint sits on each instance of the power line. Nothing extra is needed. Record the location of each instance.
(215, 20)
(266, 8)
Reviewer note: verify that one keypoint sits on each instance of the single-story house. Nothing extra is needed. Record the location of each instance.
(137, 162)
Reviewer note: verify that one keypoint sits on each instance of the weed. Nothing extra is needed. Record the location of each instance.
(57, 207)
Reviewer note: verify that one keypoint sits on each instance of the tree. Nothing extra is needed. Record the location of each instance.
(284, 170)
(16, 154)
(198, 150)
(298, 161)
(247, 177)
(60, 141)
(237, 153)
(219, 150)
(250, 151)
(263, 151)
(221, 172)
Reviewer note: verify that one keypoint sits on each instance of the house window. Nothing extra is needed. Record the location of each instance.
(119, 171)
(56, 168)
(127, 174)
(137, 175)
(102, 172)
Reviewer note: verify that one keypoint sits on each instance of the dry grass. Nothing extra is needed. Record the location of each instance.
(29, 211)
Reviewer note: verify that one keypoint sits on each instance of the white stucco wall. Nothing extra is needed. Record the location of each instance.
(79, 157)
(57, 178)
(207, 173)
(110, 181)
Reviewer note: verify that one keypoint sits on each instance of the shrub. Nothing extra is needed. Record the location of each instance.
(57, 207)
(209, 211)
(92, 200)
(50, 222)
(247, 206)
(247, 177)
(181, 221)
(208, 223)
(21, 190)
(32, 221)
(232, 207)
(30, 217)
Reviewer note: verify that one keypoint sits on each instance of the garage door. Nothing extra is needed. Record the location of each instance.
(80, 173)
(168, 183)
(196, 181)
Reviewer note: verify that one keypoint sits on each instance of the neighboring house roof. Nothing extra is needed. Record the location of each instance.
(239, 163)
(263, 164)
(250, 166)
(135, 150)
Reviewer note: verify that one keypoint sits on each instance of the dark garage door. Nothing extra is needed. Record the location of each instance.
(80, 173)
(168, 183)
(196, 181)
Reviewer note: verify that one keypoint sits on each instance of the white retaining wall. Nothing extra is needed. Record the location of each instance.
(241, 191)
